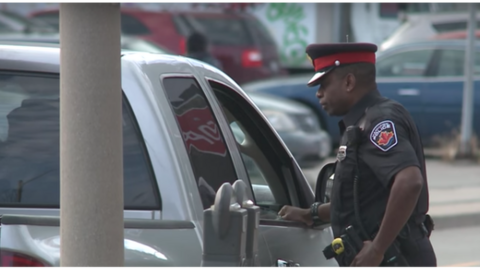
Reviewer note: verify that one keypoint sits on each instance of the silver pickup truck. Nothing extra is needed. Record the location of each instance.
(187, 130)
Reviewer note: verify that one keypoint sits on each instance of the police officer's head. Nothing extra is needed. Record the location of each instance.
(344, 73)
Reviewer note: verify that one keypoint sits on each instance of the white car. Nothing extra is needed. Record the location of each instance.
(177, 140)
(422, 27)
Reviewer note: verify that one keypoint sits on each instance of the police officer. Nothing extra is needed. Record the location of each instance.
(198, 47)
(386, 158)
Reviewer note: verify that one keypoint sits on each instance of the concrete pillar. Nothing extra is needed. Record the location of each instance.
(91, 151)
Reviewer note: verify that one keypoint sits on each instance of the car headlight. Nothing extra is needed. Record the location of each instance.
(280, 120)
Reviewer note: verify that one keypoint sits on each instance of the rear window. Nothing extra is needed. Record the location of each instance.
(30, 147)
(220, 31)
(261, 33)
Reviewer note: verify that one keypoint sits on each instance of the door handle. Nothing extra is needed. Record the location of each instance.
(408, 92)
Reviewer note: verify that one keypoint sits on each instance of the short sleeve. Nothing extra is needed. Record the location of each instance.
(388, 150)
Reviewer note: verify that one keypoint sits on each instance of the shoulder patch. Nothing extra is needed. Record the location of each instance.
(383, 135)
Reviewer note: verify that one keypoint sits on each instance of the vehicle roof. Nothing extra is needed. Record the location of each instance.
(45, 57)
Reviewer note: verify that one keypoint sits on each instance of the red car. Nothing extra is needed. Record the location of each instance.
(239, 41)
(462, 34)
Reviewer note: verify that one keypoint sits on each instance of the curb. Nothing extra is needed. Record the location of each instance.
(456, 221)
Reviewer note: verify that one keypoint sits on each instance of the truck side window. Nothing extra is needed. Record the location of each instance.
(264, 164)
(30, 147)
(204, 142)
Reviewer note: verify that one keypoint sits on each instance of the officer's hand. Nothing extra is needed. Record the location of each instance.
(293, 213)
(368, 256)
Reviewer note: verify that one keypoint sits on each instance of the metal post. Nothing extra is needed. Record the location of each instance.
(91, 151)
(467, 108)
(224, 231)
(337, 22)
(253, 222)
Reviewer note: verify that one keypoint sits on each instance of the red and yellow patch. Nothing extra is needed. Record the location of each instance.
(383, 135)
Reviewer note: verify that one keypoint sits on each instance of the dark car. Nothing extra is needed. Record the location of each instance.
(239, 41)
(425, 77)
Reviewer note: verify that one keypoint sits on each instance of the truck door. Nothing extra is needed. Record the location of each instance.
(209, 156)
(275, 180)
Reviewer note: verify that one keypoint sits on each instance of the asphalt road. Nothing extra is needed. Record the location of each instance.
(457, 247)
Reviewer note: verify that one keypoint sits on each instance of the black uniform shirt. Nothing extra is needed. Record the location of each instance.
(388, 144)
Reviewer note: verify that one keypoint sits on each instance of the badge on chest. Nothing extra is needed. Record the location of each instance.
(342, 153)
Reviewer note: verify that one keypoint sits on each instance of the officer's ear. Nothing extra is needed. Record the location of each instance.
(350, 82)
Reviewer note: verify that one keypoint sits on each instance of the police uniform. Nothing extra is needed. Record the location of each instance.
(388, 142)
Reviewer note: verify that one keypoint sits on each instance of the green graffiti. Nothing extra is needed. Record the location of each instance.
(292, 49)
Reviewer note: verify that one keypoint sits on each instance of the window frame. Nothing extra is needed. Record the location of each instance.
(434, 65)
(395, 52)
(174, 124)
(185, 173)
(55, 211)
(294, 189)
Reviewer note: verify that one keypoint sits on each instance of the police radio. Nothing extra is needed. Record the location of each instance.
(350, 244)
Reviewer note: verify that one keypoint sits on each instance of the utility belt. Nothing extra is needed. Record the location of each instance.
(346, 247)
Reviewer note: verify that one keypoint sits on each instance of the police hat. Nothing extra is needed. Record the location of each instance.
(325, 57)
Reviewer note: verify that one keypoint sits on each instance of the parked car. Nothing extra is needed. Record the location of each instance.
(11, 22)
(239, 41)
(425, 77)
(296, 124)
(172, 146)
(422, 27)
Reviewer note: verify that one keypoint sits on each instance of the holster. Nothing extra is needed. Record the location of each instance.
(429, 225)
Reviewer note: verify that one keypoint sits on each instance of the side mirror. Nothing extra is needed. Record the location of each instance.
(323, 187)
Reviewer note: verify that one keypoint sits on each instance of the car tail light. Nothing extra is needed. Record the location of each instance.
(14, 259)
(252, 58)
(183, 49)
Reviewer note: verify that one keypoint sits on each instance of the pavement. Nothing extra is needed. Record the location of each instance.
(454, 189)
(457, 247)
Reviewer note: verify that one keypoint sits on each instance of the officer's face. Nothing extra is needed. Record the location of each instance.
(333, 94)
